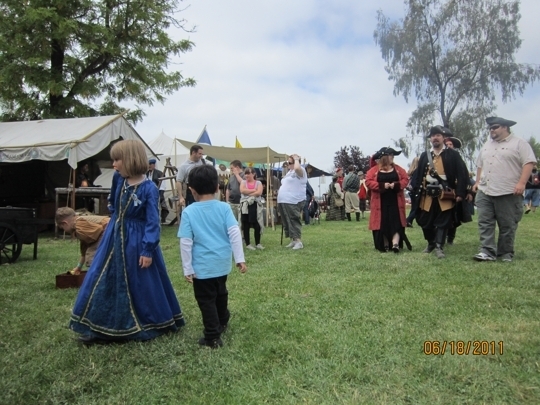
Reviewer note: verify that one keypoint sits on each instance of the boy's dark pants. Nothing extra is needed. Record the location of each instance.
(212, 296)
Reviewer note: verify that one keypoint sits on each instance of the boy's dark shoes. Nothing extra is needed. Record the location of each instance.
(212, 344)
(223, 328)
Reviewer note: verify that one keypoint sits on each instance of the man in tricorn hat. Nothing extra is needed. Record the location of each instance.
(440, 181)
(503, 166)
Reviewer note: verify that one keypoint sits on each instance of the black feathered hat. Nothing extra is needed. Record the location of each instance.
(455, 141)
(386, 151)
(439, 129)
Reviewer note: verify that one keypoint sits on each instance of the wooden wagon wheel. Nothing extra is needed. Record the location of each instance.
(10, 244)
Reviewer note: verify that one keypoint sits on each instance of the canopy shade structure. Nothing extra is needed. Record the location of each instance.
(74, 139)
(255, 155)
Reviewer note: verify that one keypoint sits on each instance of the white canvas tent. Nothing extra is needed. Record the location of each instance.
(166, 147)
(74, 139)
(37, 156)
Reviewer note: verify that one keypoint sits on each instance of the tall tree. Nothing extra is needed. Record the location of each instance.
(76, 58)
(351, 155)
(453, 56)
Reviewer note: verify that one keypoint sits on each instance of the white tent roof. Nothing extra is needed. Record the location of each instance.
(74, 139)
(164, 146)
(255, 155)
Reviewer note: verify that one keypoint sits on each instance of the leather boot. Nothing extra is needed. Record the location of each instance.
(451, 236)
(439, 252)
(440, 237)
(348, 216)
(358, 216)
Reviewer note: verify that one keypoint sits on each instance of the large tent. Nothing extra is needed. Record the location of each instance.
(38, 156)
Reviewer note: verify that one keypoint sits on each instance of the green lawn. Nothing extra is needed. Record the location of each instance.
(334, 323)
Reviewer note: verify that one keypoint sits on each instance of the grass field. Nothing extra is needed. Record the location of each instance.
(334, 323)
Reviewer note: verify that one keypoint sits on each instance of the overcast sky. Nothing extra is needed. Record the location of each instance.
(302, 76)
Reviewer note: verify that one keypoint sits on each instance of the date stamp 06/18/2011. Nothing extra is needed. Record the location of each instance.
(463, 347)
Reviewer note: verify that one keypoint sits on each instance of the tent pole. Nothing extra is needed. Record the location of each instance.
(73, 189)
(269, 196)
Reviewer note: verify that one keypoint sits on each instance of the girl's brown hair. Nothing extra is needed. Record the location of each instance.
(384, 163)
(133, 156)
(414, 166)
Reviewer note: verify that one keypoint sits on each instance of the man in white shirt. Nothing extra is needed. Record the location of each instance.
(503, 166)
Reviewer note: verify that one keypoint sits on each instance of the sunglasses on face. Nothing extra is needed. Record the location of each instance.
(494, 127)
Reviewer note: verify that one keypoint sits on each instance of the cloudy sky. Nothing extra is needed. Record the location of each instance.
(302, 76)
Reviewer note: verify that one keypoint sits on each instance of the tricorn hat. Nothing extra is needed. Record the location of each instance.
(455, 141)
(499, 120)
(152, 161)
(439, 129)
(385, 152)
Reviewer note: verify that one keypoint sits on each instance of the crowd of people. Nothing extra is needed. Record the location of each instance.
(127, 294)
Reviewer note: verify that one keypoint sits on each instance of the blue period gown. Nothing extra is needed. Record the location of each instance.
(119, 300)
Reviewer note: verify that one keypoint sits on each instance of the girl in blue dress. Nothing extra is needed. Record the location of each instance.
(127, 294)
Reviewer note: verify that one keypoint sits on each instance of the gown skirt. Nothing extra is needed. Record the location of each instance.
(119, 300)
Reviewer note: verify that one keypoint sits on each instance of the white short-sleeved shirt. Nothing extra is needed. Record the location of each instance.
(185, 168)
(293, 188)
(502, 163)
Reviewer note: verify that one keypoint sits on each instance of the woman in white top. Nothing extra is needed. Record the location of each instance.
(291, 199)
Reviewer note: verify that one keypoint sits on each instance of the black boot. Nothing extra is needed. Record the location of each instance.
(439, 252)
(348, 216)
(440, 238)
(358, 216)
(451, 236)
(429, 248)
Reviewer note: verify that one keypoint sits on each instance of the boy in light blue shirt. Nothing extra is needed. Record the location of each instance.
(209, 237)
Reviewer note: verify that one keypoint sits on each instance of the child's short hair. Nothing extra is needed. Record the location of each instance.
(63, 213)
(203, 179)
(133, 156)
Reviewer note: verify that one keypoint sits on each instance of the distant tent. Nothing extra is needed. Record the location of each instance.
(164, 146)
(204, 137)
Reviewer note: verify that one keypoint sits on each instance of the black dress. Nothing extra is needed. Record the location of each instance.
(390, 221)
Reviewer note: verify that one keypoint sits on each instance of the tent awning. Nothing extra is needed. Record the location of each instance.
(255, 155)
(75, 139)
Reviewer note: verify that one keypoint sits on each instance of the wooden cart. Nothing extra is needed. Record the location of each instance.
(17, 226)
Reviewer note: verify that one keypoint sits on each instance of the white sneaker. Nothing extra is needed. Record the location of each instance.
(298, 245)
(291, 244)
(260, 247)
(484, 257)
(250, 247)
